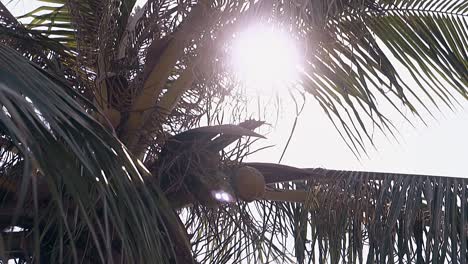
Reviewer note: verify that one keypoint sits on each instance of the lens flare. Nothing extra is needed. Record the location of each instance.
(265, 59)
(222, 196)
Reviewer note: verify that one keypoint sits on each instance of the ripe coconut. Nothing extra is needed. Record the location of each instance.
(249, 183)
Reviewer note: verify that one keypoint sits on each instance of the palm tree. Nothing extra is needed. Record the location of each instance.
(100, 154)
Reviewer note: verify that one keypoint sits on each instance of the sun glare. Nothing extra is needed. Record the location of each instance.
(265, 59)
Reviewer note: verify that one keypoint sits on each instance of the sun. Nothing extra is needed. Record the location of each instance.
(265, 59)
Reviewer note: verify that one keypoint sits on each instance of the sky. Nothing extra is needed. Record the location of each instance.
(440, 148)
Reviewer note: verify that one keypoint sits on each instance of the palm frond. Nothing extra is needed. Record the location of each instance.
(32, 45)
(78, 191)
(238, 233)
(362, 217)
(363, 55)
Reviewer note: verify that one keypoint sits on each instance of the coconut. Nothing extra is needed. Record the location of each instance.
(249, 183)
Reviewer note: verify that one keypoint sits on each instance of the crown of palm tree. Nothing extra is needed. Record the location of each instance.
(102, 158)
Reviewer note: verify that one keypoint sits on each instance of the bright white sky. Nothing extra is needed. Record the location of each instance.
(439, 149)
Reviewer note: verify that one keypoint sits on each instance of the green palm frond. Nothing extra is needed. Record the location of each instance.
(75, 181)
(362, 217)
(362, 56)
(242, 233)
(32, 45)
(88, 27)
(53, 20)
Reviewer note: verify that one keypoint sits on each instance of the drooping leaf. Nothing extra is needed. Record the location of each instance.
(91, 190)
